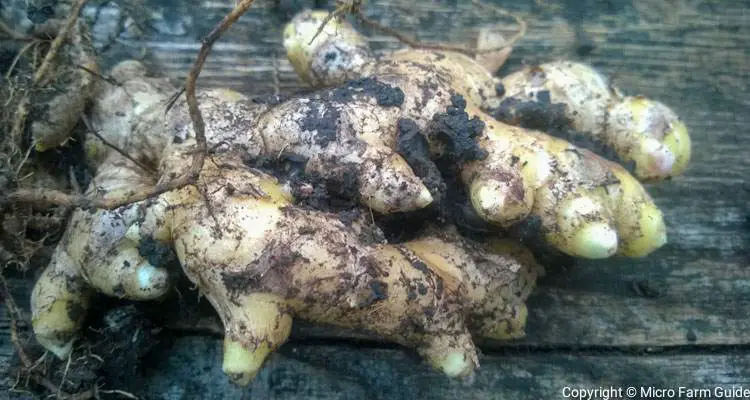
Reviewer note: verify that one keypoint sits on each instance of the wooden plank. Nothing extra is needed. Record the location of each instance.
(190, 367)
(301, 371)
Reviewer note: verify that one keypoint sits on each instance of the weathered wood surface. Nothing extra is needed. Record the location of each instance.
(588, 324)
(343, 372)
(190, 368)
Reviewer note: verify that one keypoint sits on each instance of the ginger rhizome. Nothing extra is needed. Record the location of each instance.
(588, 206)
(271, 262)
(633, 129)
(257, 257)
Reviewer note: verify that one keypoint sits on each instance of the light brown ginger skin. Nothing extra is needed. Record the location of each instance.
(497, 278)
(268, 253)
(631, 129)
(95, 253)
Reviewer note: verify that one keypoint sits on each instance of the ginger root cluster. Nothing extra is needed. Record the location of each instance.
(396, 134)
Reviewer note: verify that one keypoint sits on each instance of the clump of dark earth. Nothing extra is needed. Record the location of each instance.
(451, 206)
(458, 133)
(115, 350)
(323, 119)
(413, 147)
(453, 129)
(122, 337)
(156, 253)
(109, 353)
(499, 89)
(538, 114)
(323, 116)
(385, 95)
